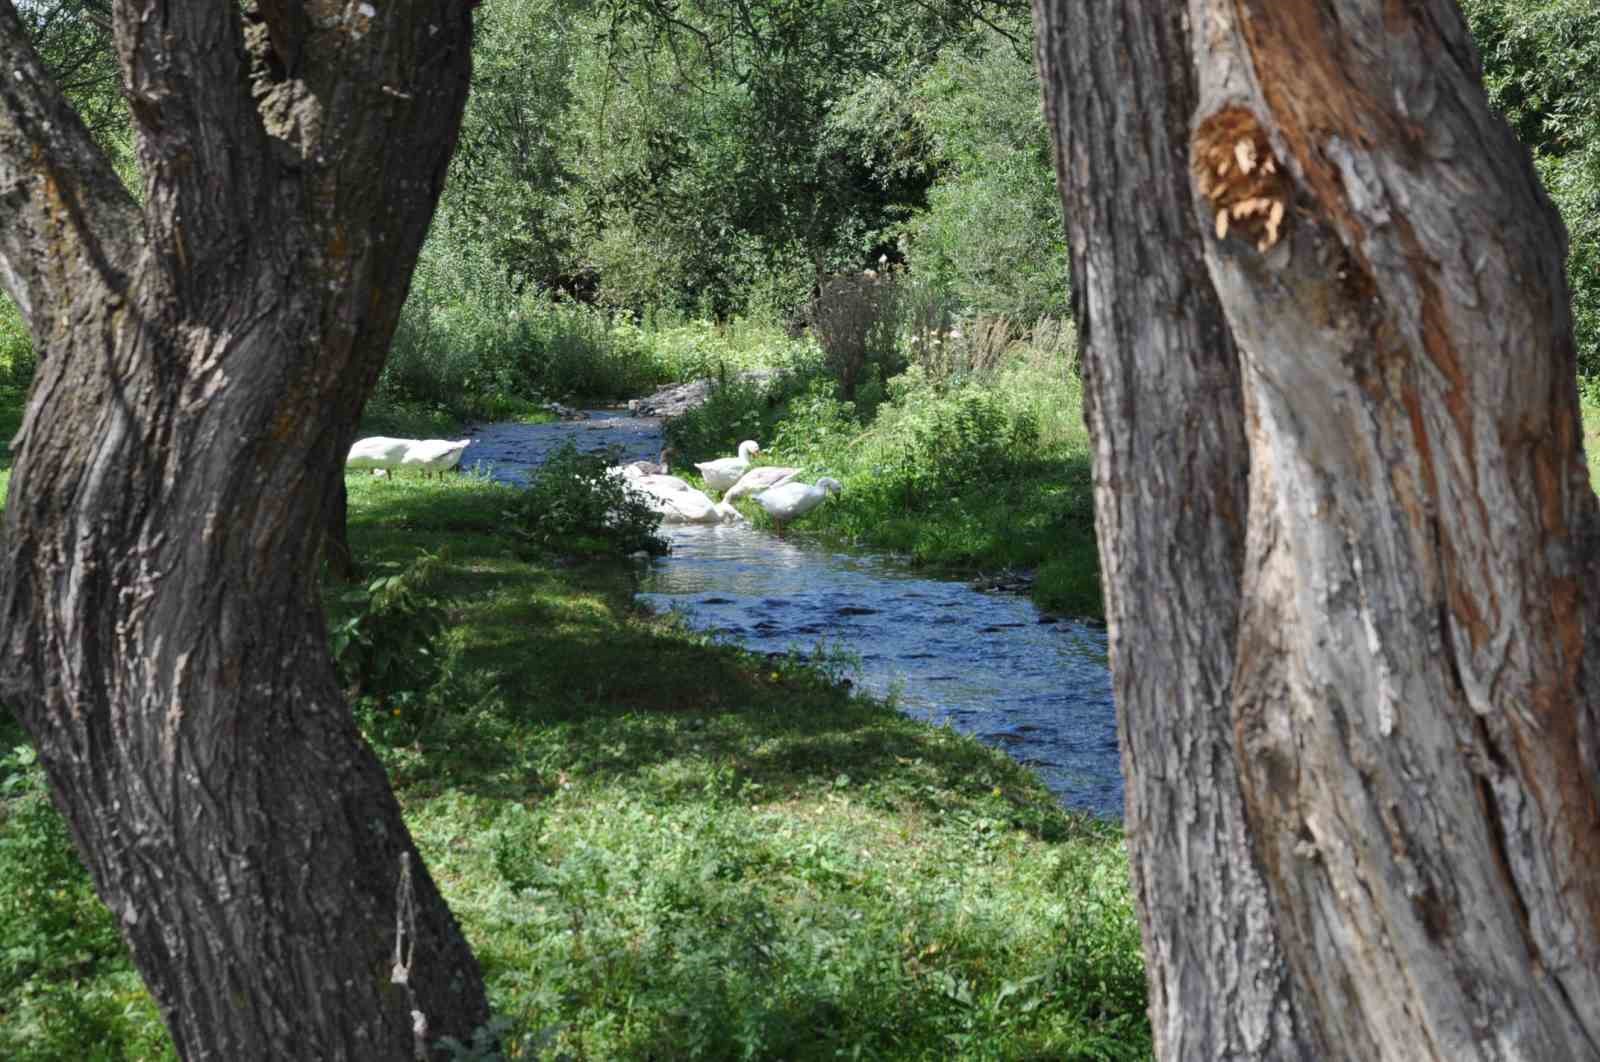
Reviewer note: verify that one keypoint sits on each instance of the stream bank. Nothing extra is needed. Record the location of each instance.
(988, 664)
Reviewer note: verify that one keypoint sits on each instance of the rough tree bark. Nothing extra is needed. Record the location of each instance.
(204, 359)
(1410, 728)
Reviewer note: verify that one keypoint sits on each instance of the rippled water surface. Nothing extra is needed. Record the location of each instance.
(988, 664)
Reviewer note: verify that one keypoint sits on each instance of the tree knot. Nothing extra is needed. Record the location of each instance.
(1237, 173)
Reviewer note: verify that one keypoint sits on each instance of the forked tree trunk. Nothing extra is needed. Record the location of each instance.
(204, 358)
(1413, 720)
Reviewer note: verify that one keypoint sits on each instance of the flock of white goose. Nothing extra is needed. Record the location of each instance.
(774, 487)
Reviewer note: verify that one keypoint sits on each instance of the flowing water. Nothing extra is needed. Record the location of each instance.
(987, 664)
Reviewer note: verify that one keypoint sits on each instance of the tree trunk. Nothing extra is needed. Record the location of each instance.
(204, 360)
(1413, 718)
(1165, 410)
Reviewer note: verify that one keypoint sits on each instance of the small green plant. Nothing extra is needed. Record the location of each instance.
(390, 650)
(948, 445)
(734, 410)
(574, 506)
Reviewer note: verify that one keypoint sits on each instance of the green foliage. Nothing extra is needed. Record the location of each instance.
(734, 410)
(722, 159)
(54, 934)
(17, 359)
(991, 237)
(509, 179)
(936, 449)
(390, 646)
(73, 38)
(1591, 428)
(1541, 61)
(816, 421)
(983, 468)
(574, 506)
(473, 347)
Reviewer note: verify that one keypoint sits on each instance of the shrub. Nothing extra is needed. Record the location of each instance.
(475, 346)
(990, 235)
(573, 505)
(817, 422)
(944, 447)
(856, 319)
(1541, 67)
(390, 649)
(734, 410)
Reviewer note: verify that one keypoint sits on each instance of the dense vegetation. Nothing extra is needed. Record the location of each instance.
(1541, 62)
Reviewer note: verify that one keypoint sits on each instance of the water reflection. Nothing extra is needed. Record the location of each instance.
(987, 664)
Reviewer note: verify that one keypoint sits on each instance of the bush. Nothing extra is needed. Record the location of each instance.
(475, 347)
(856, 318)
(1541, 67)
(941, 448)
(816, 422)
(390, 649)
(574, 506)
(990, 237)
(734, 410)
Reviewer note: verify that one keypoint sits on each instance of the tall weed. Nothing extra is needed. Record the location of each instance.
(574, 506)
(390, 648)
(17, 357)
(856, 317)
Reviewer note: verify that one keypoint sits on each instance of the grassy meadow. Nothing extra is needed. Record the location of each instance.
(1591, 436)
(659, 847)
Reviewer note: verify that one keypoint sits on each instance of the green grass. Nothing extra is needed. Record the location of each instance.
(670, 848)
(662, 847)
(11, 402)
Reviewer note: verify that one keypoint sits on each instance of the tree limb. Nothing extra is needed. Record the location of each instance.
(62, 209)
(196, 127)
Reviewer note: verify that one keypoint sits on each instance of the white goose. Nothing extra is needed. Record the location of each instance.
(724, 472)
(435, 455)
(764, 477)
(635, 469)
(788, 501)
(679, 503)
(426, 455)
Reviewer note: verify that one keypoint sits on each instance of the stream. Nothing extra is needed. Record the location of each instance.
(988, 664)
